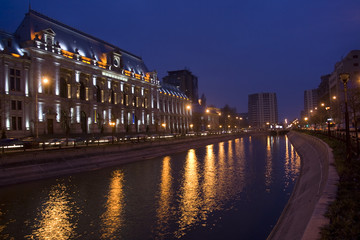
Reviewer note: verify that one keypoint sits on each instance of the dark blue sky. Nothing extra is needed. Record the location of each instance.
(235, 47)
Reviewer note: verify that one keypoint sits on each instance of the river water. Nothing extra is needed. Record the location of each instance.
(228, 190)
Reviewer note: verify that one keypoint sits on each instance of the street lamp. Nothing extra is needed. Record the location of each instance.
(112, 124)
(344, 77)
(164, 126)
(45, 81)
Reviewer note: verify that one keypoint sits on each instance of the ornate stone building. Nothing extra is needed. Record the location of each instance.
(55, 79)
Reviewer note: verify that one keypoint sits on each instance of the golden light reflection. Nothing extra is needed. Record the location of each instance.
(112, 219)
(209, 187)
(230, 152)
(164, 211)
(190, 202)
(268, 167)
(56, 218)
(292, 163)
(221, 176)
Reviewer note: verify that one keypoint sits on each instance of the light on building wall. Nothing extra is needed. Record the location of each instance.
(188, 107)
(207, 110)
(163, 125)
(334, 97)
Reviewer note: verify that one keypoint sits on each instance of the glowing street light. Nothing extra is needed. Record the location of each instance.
(112, 124)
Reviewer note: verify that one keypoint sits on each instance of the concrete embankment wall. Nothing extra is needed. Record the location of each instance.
(315, 188)
(27, 166)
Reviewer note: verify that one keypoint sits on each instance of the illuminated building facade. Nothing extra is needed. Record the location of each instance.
(55, 79)
(175, 110)
(262, 110)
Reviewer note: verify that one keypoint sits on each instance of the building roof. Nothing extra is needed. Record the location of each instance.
(70, 39)
(9, 43)
(172, 90)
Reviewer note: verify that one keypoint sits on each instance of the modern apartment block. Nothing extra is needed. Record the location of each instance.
(310, 101)
(262, 110)
(185, 81)
(56, 79)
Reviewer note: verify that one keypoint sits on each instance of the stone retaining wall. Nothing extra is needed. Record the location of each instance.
(27, 166)
(315, 188)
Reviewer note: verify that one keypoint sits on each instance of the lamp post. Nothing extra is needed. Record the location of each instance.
(344, 77)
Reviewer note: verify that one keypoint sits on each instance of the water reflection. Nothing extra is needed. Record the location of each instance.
(292, 163)
(112, 218)
(209, 187)
(56, 219)
(217, 189)
(164, 211)
(190, 202)
(268, 164)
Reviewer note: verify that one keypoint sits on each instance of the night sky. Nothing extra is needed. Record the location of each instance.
(235, 47)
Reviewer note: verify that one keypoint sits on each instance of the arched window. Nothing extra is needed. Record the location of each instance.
(82, 91)
(97, 94)
(112, 96)
(83, 122)
(63, 88)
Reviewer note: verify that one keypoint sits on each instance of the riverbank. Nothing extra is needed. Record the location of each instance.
(27, 166)
(316, 187)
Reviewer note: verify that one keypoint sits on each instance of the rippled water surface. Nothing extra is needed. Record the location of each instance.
(229, 190)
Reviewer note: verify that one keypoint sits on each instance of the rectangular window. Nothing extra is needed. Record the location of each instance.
(69, 90)
(13, 123)
(13, 105)
(102, 96)
(19, 105)
(15, 79)
(127, 100)
(87, 94)
(19, 123)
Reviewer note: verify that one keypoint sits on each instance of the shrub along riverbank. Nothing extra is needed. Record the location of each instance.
(344, 212)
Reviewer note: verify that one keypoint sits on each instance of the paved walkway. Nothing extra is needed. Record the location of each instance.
(316, 187)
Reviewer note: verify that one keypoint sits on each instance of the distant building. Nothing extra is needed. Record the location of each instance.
(262, 110)
(185, 81)
(323, 89)
(310, 101)
(349, 64)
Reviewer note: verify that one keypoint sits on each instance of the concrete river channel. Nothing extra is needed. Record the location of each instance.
(235, 189)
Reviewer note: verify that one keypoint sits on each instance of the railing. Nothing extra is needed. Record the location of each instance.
(341, 135)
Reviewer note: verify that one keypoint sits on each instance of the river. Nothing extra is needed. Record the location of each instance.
(228, 190)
